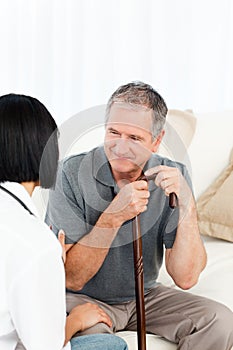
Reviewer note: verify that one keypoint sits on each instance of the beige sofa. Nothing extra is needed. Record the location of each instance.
(208, 138)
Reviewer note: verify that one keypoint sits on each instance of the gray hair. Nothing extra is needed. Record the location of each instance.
(140, 95)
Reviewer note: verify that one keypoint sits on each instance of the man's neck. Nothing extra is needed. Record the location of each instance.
(126, 177)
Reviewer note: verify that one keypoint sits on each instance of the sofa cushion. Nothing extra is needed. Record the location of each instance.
(152, 341)
(179, 131)
(215, 281)
(215, 206)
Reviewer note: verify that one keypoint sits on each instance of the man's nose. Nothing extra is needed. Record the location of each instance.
(121, 147)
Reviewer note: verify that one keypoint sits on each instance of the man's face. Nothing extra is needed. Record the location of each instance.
(128, 139)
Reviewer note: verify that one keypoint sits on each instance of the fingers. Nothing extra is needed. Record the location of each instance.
(159, 169)
(167, 186)
(167, 178)
(90, 314)
(135, 193)
(131, 200)
(105, 318)
(152, 171)
(169, 181)
(141, 185)
(61, 238)
(140, 196)
(101, 314)
(140, 189)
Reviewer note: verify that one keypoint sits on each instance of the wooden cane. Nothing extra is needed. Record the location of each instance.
(139, 284)
(138, 270)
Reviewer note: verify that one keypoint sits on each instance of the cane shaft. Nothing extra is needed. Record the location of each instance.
(138, 270)
(139, 284)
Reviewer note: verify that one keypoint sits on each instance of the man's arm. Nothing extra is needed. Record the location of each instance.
(84, 259)
(187, 257)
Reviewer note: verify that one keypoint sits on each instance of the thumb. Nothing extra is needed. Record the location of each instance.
(152, 171)
(61, 237)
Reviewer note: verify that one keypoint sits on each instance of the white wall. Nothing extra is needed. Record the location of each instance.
(73, 54)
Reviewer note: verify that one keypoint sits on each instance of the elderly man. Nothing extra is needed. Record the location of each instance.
(96, 197)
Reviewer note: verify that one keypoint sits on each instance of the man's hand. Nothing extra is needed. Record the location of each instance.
(171, 180)
(187, 257)
(61, 238)
(130, 201)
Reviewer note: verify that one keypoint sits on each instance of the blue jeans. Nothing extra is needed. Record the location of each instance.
(98, 342)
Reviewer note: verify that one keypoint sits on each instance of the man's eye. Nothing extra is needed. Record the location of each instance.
(113, 132)
(135, 138)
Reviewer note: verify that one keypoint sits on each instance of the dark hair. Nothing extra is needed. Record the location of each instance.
(140, 94)
(28, 141)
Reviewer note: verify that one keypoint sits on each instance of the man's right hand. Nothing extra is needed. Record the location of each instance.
(130, 201)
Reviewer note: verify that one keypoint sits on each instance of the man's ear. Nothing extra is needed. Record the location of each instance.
(157, 141)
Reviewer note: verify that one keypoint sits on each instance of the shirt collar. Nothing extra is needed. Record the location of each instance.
(154, 161)
(102, 171)
(101, 167)
(18, 190)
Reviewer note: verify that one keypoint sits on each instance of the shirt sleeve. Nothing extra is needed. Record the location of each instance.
(65, 207)
(37, 302)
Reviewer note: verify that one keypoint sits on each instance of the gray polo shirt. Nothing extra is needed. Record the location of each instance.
(84, 189)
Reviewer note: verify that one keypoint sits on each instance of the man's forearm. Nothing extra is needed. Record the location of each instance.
(187, 258)
(86, 257)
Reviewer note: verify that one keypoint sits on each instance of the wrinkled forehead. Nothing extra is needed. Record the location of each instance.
(131, 114)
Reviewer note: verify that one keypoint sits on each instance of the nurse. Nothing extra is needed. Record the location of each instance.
(32, 288)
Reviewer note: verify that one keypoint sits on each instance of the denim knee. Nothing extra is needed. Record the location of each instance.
(98, 342)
